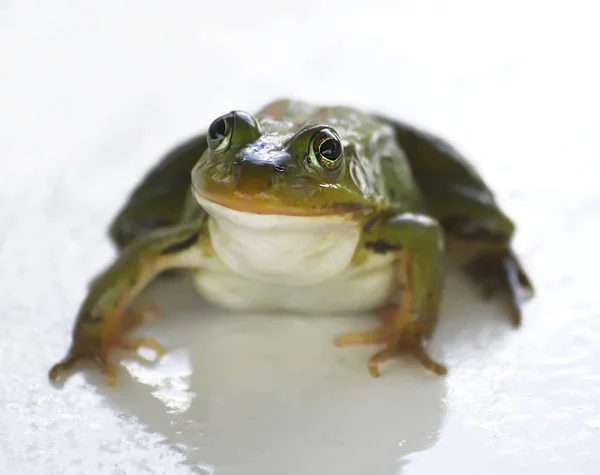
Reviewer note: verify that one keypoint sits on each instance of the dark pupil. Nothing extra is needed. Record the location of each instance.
(330, 149)
(217, 129)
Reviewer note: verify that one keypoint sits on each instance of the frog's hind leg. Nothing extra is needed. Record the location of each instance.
(456, 194)
(500, 274)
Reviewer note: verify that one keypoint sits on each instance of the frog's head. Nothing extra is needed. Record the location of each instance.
(306, 172)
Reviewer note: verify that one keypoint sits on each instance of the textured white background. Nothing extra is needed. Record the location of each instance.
(91, 95)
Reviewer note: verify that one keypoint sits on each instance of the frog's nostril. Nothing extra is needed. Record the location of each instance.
(251, 176)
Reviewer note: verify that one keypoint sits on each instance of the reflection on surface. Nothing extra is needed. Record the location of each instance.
(272, 393)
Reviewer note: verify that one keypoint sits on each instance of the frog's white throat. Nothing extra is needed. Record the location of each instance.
(297, 250)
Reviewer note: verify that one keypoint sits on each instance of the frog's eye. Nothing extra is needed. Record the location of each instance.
(235, 129)
(219, 133)
(325, 150)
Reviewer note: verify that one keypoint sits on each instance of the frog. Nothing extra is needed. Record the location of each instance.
(305, 208)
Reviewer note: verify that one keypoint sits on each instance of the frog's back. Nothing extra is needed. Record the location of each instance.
(379, 163)
(287, 116)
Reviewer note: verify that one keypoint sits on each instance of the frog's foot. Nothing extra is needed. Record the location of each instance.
(500, 274)
(409, 339)
(99, 354)
(89, 345)
(99, 357)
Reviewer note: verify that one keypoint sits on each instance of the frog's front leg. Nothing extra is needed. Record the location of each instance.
(105, 316)
(418, 243)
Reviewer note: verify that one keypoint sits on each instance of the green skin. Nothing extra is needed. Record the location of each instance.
(411, 194)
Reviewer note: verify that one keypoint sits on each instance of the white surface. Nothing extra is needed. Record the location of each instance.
(91, 95)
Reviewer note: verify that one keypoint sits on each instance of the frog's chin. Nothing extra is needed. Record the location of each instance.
(281, 248)
(268, 208)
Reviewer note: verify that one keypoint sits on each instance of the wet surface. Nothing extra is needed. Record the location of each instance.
(92, 95)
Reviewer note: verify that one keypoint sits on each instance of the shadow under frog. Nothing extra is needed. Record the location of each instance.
(272, 394)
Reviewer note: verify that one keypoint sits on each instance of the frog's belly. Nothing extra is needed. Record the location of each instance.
(348, 292)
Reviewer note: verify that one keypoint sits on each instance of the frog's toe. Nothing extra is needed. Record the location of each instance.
(148, 343)
(409, 342)
(368, 337)
(60, 371)
(108, 369)
(371, 337)
(86, 347)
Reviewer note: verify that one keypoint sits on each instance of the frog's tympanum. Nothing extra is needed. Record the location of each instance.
(309, 209)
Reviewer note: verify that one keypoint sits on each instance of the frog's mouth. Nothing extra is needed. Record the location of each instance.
(265, 206)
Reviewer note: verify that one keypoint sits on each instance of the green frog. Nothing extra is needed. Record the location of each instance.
(305, 208)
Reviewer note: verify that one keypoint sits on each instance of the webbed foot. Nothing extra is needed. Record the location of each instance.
(94, 345)
(409, 339)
